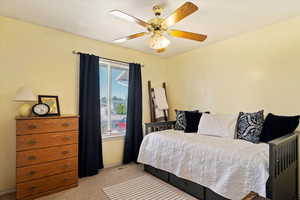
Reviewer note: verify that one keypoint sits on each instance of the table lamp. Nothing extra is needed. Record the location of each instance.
(25, 95)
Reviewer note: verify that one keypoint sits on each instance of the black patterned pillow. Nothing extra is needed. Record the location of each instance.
(180, 119)
(250, 125)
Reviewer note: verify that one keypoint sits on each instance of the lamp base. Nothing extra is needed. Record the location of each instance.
(25, 110)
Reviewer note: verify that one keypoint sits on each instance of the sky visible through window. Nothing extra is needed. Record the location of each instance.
(118, 89)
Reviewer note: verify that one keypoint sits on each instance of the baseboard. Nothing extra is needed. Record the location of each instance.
(3, 192)
(113, 165)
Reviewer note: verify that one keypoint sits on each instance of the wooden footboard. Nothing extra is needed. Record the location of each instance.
(283, 164)
(284, 167)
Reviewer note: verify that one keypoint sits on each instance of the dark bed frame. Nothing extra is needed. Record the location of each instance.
(283, 168)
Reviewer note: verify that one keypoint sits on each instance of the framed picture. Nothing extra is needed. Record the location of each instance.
(52, 102)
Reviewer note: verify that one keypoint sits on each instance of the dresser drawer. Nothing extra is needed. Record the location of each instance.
(31, 157)
(33, 126)
(47, 169)
(26, 142)
(47, 184)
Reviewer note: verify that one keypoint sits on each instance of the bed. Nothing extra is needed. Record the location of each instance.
(209, 168)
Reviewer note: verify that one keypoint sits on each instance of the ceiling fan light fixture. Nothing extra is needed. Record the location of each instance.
(158, 41)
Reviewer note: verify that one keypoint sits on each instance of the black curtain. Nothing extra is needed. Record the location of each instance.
(90, 144)
(134, 130)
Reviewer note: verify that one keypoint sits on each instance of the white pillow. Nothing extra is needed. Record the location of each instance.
(220, 125)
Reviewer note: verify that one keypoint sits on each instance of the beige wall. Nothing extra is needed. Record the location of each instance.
(42, 59)
(257, 70)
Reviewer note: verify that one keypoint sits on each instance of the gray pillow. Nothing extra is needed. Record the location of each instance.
(250, 125)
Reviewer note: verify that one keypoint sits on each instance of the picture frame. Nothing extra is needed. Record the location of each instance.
(52, 102)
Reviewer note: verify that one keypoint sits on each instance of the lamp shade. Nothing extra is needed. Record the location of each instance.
(25, 94)
(158, 41)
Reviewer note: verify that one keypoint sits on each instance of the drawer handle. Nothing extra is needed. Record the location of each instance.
(32, 188)
(31, 173)
(66, 138)
(65, 152)
(32, 158)
(65, 125)
(31, 142)
(65, 180)
(66, 166)
(32, 126)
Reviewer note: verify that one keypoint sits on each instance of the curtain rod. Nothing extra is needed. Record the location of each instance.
(77, 52)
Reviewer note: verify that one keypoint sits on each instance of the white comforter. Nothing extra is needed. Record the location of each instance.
(231, 168)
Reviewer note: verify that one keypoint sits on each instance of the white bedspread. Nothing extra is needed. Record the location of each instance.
(231, 168)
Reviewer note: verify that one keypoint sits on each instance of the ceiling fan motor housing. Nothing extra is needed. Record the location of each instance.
(156, 25)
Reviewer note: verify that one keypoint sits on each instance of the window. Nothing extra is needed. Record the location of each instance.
(113, 97)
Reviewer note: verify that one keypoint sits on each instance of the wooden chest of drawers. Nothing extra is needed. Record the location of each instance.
(47, 149)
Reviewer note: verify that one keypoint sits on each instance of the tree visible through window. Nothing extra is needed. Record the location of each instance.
(113, 97)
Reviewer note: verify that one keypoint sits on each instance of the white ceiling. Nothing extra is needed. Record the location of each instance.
(219, 19)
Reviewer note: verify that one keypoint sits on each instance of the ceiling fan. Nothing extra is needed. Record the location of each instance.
(158, 26)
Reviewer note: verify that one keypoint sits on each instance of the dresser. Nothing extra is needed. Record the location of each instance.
(47, 155)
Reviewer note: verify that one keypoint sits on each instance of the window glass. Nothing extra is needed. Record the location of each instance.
(104, 98)
(119, 93)
(113, 97)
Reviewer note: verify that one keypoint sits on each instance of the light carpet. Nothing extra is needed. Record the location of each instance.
(145, 187)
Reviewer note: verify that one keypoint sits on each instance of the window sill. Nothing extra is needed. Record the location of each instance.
(115, 136)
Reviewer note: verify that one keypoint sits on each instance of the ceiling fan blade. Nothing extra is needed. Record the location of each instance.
(128, 17)
(185, 10)
(120, 40)
(187, 35)
(160, 50)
